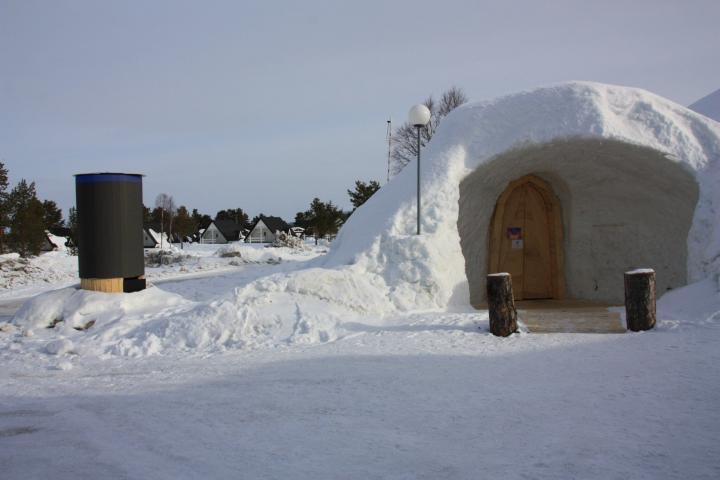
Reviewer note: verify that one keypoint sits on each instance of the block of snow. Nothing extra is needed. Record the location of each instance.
(59, 347)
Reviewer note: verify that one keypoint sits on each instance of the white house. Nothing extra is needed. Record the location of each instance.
(265, 228)
(149, 240)
(221, 231)
(153, 239)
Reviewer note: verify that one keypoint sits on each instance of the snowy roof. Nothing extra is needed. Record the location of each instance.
(153, 234)
(274, 224)
(709, 106)
(229, 229)
(55, 242)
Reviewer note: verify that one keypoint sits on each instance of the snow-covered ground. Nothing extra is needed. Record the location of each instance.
(20, 278)
(367, 362)
(423, 395)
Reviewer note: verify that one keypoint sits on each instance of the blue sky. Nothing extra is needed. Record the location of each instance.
(265, 105)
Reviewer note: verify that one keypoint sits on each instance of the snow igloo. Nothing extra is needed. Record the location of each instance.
(566, 187)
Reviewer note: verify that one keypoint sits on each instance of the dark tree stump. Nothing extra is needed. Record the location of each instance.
(501, 304)
(640, 299)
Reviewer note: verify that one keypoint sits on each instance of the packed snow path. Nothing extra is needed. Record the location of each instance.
(427, 395)
(442, 400)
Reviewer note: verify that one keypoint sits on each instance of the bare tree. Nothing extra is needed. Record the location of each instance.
(166, 204)
(450, 100)
(404, 148)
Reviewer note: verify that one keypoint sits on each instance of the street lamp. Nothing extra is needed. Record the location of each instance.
(418, 116)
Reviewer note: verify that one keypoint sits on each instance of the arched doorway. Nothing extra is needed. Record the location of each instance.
(526, 239)
(616, 207)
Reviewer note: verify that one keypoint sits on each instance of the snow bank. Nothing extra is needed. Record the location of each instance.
(249, 254)
(75, 307)
(46, 270)
(278, 309)
(99, 321)
(698, 303)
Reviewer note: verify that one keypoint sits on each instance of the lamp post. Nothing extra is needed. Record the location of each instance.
(419, 116)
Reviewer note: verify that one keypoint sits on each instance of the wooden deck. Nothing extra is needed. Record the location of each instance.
(569, 316)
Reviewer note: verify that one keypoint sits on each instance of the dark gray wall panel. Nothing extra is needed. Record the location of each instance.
(110, 214)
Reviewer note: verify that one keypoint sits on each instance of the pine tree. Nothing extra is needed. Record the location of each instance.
(147, 217)
(72, 224)
(52, 215)
(237, 215)
(200, 220)
(256, 218)
(183, 222)
(323, 218)
(363, 191)
(26, 214)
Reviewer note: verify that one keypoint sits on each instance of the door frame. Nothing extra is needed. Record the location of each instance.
(554, 212)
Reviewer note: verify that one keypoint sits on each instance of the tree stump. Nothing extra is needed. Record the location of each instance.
(640, 299)
(501, 304)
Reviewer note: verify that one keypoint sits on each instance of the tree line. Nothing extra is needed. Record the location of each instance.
(24, 218)
(321, 219)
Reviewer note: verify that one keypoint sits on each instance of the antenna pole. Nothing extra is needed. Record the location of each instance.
(389, 140)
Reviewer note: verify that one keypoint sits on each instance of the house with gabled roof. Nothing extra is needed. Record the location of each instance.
(52, 243)
(221, 231)
(265, 229)
(150, 238)
(154, 239)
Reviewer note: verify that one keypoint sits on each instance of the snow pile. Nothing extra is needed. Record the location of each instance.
(278, 309)
(75, 308)
(99, 322)
(284, 239)
(698, 303)
(275, 310)
(47, 269)
(156, 257)
(248, 254)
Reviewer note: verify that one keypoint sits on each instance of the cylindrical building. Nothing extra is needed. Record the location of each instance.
(110, 238)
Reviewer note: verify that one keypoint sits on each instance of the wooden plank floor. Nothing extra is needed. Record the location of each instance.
(568, 316)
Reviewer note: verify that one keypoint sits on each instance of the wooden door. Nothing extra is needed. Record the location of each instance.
(525, 239)
(536, 251)
(513, 227)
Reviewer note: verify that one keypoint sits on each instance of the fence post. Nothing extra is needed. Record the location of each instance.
(640, 299)
(501, 304)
